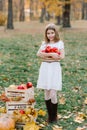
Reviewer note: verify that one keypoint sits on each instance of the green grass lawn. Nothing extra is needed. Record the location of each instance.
(19, 64)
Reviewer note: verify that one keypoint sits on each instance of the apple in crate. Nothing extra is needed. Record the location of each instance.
(22, 111)
(29, 84)
(21, 87)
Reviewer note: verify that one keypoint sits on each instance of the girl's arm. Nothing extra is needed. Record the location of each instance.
(62, 54)
(55, 56)
(43, 54)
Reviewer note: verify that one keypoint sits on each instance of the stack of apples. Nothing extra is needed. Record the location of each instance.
(50, 49)
(25, 86)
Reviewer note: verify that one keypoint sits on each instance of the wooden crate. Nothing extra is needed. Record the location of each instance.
(24, 94)
(19, 126)
(11, 106)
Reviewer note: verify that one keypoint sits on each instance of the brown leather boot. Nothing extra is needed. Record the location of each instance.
(49, 110)
(54, 112)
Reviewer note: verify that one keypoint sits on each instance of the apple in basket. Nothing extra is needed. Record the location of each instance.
(29, 84)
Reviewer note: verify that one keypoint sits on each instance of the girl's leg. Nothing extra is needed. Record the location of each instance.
(48, 105)
(51, 104)
(54, 104)
(47, 94)
(53, 96)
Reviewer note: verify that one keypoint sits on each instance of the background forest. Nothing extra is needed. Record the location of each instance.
(25, 10)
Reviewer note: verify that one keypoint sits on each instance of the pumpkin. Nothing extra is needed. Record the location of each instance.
(6, 122)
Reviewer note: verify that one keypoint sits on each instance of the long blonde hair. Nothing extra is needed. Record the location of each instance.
(53, 27)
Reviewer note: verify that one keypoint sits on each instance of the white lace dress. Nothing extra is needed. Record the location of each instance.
(50, 74)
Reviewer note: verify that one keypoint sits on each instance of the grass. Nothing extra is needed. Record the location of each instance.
(19, 64)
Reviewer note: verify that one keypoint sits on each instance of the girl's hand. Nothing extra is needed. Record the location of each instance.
(44, 54)
(55, 56)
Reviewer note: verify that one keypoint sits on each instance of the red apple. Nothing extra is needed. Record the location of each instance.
(22, 111)
(20, 87)
(55, 49)
(29, 84)
(48, 49)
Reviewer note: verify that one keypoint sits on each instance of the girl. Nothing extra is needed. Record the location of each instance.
(50, 75)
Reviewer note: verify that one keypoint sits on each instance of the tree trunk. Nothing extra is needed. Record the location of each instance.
(16, 10)
(31, 9)
(43, 10)
(10, 15)
(36, 7)
(1, 5)
(85, 11)
(47, 16)
(58, 20)
(22, 14)
(82, 9)
(66, 15)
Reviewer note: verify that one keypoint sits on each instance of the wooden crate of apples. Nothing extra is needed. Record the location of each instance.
(19, 97)
(20, 92)
(20, 103)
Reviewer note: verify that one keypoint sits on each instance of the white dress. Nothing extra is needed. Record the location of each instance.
(50, 74)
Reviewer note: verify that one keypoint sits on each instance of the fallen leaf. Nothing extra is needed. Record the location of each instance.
(80, 117)
(41, 125)
(62, 100)
(41, 112)
(59, 116)
(85, 102)
(56, 127)
(81, 128)
(66, 117)
(76, 88)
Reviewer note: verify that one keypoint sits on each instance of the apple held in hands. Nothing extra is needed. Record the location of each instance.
(49, 49)
(29, 84)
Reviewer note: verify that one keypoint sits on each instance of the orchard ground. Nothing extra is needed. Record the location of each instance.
(19, 64)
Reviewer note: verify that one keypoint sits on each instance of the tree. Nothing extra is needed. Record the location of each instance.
(1, 5)
(43, 11)
(66, 14)
(84, 9)
(22, 14)
(10, 15)
(31, 9)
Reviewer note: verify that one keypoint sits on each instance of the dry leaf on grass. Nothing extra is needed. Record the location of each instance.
(62, 100)
(41, 112)
(80, 117)
(59, 116)
(42, 125)
(66, 117)
(76, 88)
(56, 127)
(81, 128)
(85, 102)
